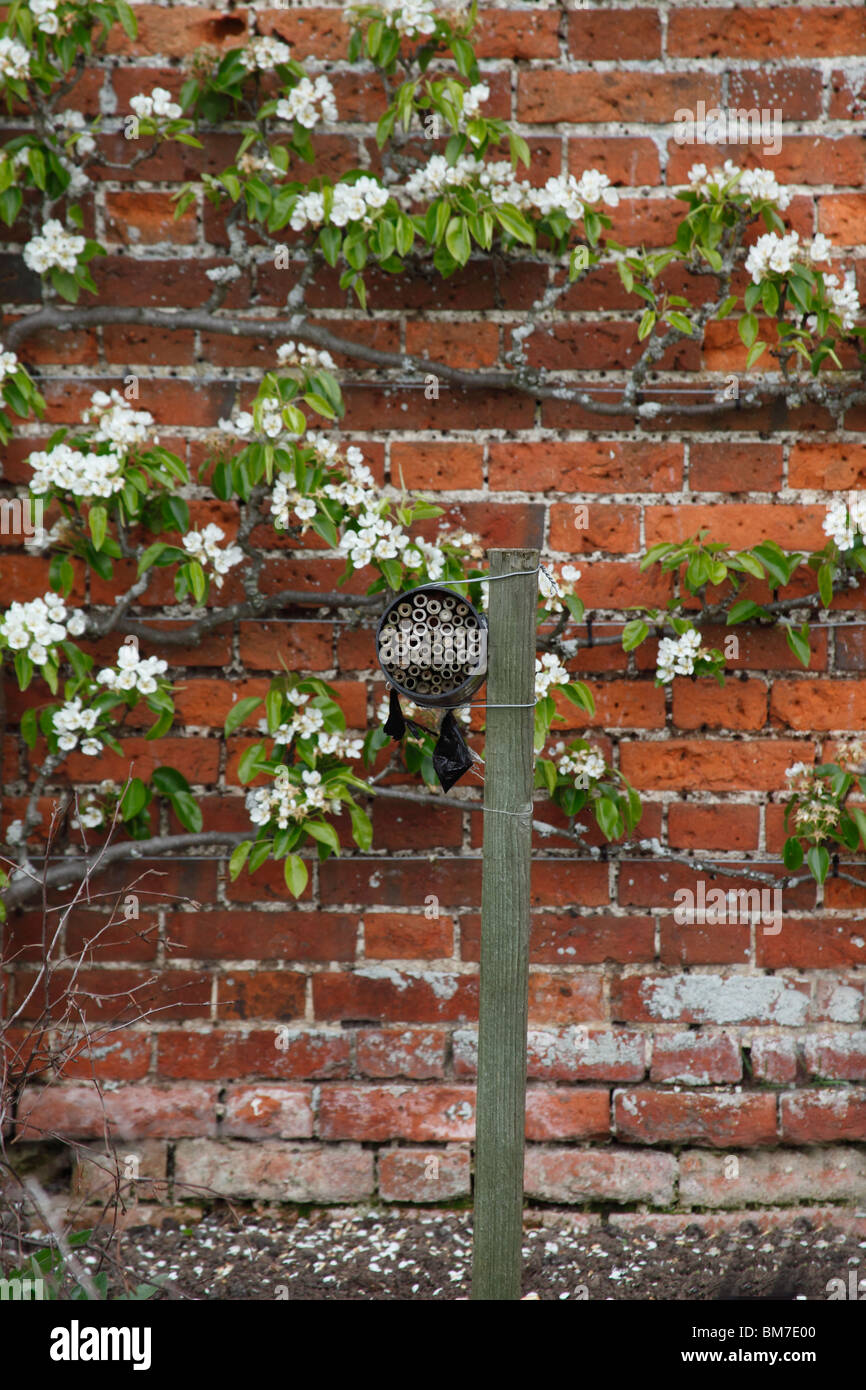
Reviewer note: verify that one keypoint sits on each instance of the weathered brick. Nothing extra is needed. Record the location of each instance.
(609, 1175)
(777, 1175)
(411, 1175)
(274, 1170)
(722, 1118)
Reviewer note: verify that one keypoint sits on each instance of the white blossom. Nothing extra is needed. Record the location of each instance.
(262, 54)
(309, 103)
(677, 656)
(14, 59)
(133, 672)
(53, 248)
(205, 547)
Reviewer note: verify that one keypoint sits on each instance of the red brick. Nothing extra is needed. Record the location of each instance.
(416, 1053)
(721, 1118)
(554, 1113)
(437, 466)
(728, 826)
(132, 1112)
(401, 936)
(773, 1058)
(287, 935)
(816, 1117)
(573, 939)
(550, 96)
(771, 1177)
(418, 1113)
(783, 30)
(608, 1175)
(837, 1056)
(709, 765)
(373, 994)
(410, 1175)
(258, 994)
(609, 465)
(291, 1053)
(268, 1112)
(822, 464)
(594, 35)
(710, 999)
(613, 529)
(822, 944)
(273, 1170)
(556, 997)
(722, 466)
(696, 1059)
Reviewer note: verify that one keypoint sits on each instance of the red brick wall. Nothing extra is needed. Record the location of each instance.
(657, 1052)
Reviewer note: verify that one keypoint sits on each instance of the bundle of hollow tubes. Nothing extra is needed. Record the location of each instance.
(430, 644)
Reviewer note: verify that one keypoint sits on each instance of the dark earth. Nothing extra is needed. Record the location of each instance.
(402, 1255)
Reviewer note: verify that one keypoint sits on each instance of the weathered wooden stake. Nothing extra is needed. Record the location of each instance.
(508, 780)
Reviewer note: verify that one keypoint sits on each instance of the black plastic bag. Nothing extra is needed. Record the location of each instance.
(451, 756)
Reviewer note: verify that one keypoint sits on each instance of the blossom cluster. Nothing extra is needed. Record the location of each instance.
(72, 722)
(65, 469)
(14, 59)
(91, 812)
(549, 671)
(677, 655)
(262, 54)
(286, 801)
(353, 202)
(845, 520)
(53, 248)
(580, 763)
(244, 425)
(205, 547)
(8, 364)
(134, 672)
(498, 179)
(158, 105)
(44, 12)
(568, 577)
(116, 421)
(758, 185)
(412, 18)
(73, 123)
(309, 103)
(35, 626)
(302, 355)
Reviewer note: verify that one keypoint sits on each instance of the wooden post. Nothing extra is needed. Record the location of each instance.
(508, 781)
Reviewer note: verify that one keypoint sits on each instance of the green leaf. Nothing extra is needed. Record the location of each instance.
(324, 833)
(742, 611)
(248, 766)
(240, 854)
(799, 643)
(634, 632)
(748, 329)
(296, 875)
(238, 713)
(818, 860)
(29, 727)
(514, 223)
(608, 817)
(580, 695)
(825, 583)
(457, 240)
(362, 827)
(134, 799)
(188, 811)
(725, 308)
(168, 781)
(98, 519)
(792, 853)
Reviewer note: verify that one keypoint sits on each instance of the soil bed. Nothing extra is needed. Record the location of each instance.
(408, 1255)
